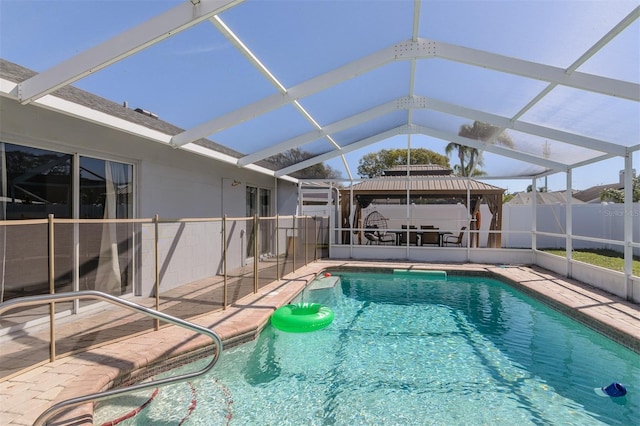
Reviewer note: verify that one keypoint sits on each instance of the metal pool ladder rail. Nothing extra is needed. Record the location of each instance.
(91, 294)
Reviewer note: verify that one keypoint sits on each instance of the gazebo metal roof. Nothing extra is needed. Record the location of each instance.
(338, 79)
(423, 179)
(451, 185)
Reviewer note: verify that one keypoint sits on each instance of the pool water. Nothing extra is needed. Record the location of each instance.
(409, 350)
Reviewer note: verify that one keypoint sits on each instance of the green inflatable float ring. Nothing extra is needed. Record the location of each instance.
(302, 317)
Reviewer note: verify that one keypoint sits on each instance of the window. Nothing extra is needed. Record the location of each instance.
(35, 183)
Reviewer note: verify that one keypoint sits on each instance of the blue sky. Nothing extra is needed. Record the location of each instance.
(197, 75)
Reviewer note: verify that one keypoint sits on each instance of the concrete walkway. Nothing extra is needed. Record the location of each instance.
(24, 396)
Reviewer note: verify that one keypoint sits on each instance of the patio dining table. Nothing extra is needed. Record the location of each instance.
(433, 231)
(441, 235)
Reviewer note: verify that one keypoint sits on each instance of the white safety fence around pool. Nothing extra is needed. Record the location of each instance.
(149, 257)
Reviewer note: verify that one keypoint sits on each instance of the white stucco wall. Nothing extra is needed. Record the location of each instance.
(171, 183)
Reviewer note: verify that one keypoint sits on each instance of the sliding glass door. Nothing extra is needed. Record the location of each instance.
(258, 203)
(36, 183)
(106, 257)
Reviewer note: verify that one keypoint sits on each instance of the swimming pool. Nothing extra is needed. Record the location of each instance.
(405, 349)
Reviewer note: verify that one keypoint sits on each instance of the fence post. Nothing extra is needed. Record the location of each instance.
(277, 247)
(256, 225)
(306, 243)
(52, 290)
(224, 261)
(156, 238)
(628, 225)
(293, 243)
(569, 226)
(315, 238)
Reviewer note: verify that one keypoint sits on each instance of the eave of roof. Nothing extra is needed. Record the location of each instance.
(16, 73)
(593, 193)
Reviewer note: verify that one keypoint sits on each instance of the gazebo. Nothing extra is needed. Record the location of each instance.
(426, 185)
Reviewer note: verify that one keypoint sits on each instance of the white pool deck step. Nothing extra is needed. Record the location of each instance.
(23, 397)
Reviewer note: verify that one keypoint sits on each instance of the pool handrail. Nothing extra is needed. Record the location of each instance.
(99, 396)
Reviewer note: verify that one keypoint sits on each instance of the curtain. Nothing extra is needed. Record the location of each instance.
(476, 222)
(494, 202)
(345, 213)
(3, 214)
(362, 202)
(108, 276)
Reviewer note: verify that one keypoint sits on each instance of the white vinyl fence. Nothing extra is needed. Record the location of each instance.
(603, 221)
(600, 221)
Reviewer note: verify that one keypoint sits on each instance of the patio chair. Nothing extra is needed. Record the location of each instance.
(375, 229)
(455, 239)
(370, 235)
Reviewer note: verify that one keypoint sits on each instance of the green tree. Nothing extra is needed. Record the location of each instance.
(617, 195)
(296, 155)
(373, 164)
(506, 197)
(470, 158)
(538, 188)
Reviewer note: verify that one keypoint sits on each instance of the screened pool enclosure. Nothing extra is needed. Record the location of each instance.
(266, 91)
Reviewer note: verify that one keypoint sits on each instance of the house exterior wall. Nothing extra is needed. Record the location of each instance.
(171, 183)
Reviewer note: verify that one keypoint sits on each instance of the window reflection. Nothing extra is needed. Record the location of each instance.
(35, 183)
(105, 189)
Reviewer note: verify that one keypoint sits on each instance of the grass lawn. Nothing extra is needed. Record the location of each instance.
(609, 259)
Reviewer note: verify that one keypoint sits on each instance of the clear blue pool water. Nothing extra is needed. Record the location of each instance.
(404, 350)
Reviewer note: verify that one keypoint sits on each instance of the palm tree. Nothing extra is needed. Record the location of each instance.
(470, 158)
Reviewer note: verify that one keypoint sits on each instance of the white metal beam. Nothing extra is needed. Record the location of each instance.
(410, 50)
(427, 131)
(624, 23)
(621, 26)
(591, 161)
(588, 82)
(344, 150)
(278, 100)
(246, 52)
(313, 135)
(521, 126)
(416, 20)
(628, 225)
(125, 44)
(516, 155)
(421, 102)
(253, 59)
